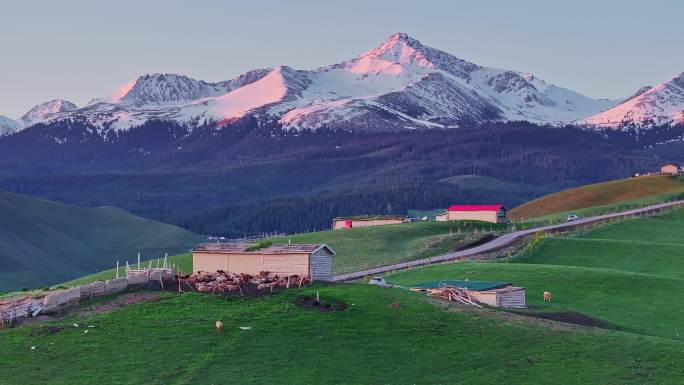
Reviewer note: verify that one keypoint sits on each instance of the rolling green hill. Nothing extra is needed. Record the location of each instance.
(624, 273)
(362, 248)
(44, 242)
(387, 336)
(602, 197)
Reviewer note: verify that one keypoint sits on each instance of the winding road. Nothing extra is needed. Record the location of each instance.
(505, 240)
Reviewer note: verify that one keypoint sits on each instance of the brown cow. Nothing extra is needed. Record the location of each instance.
(547, 296)
(219, 326)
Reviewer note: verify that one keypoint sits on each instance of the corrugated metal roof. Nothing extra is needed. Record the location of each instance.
(227, 248)
(470, 285)
(475, 208)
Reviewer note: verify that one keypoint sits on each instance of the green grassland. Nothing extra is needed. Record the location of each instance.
(601, 198)
(387, 336)
(628, 274)
(625, 273)
(362, 248)
(43, 242)
(636, 303)
(648, 245)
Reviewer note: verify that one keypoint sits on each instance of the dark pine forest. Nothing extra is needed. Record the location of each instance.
(246, 179)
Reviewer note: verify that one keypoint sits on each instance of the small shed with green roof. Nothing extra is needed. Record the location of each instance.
(492, 293)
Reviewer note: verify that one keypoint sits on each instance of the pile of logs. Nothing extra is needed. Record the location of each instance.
(221, 282)
(455, 294)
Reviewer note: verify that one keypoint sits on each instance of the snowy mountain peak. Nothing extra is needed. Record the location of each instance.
(162, 88)
(45, 110)
(639, 92)
(400, 48)
(662, 104)
(406, 51)
(399, 84)
(9, 126)
(152, 90)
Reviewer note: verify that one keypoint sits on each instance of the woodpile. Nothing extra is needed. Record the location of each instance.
(222, 282)
(455, 294)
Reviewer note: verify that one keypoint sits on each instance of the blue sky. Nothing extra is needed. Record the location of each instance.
(79, 50)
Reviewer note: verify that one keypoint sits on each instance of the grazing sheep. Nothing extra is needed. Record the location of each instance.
(219, 326)
(547, 296)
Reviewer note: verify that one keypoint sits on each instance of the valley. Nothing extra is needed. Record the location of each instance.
(401, 326)
(45, 243)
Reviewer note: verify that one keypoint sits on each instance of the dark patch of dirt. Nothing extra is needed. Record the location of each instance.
(119, 302)
(538, 318)
(46, 330)
(32, 320)
(325, 305)
(395, 305)
(571, 317)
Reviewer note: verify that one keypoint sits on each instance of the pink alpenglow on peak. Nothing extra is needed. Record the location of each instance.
(399, 84)
(662, 104)
(271, 88)
(400, 48)
(121, 92)
(46, 110)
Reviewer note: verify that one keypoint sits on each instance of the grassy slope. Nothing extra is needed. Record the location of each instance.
(638, 303)
(625, 273)
(648, 245)
(43, 242)
(373, 341)
(608, 196)
(362, 248)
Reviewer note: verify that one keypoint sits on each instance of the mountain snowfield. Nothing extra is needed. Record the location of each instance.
(400, 84)
(9, 126)
(662, 104)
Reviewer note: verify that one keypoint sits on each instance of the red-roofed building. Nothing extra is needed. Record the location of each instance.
(485, 213)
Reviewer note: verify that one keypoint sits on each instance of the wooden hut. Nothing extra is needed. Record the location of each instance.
(485, 213)
(309, 260)
(669, 169)
(498, 294)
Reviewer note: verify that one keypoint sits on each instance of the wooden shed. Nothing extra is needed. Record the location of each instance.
(310, 260)
(367, 221)
(669, 169)
(498, 294)
(485, 213)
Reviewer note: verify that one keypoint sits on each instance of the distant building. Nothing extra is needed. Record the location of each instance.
(442, 217)
(485, 213)
(669, 169)
(310, 260)
(499, 294)
(367, 221)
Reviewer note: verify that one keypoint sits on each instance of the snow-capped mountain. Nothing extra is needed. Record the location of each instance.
(397, 85)
(169, 89)
(659, 105)
(9, 126)
(46, 110)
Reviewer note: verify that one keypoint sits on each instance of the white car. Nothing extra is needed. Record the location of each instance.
(572, 217)
(377, 281)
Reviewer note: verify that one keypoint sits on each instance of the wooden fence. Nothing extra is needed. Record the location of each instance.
(59, 300)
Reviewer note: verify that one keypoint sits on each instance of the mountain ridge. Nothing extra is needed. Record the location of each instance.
(399, 84)
(658, 105)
